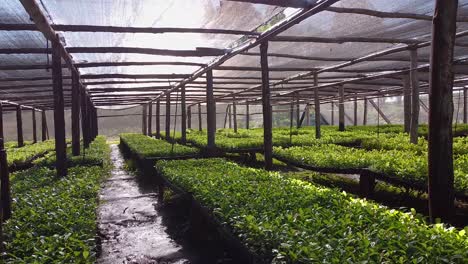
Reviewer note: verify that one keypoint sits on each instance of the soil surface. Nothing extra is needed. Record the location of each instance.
(135, 228)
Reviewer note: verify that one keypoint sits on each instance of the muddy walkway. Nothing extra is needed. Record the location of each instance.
(132, 227)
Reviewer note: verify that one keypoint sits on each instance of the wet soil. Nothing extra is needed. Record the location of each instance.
(136, 227)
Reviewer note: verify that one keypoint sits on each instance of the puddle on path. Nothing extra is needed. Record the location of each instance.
(132, 227)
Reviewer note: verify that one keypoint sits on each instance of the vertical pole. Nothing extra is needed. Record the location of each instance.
(465, 119)
(307, 109)
(1, 126)
(150, 119)
(355, 111)
(230, 116)
(247, 115)
(183, 126)
(5, 195)
(158, 119)
(291, 115)
(144, 119)
(414, 96)
(84, 118)
(96, 127)
(43, 125)
(75, 114)
(441, 192)
(234, 114)
(210, 112)
(19, 126)
(34, 125)
(267, 119)
(332, 113)
(317, 107)
(189, 117)
(298, 112)
(407, 102)
(341, 124)
(168, 117)
(59, 111)
(364, 118)
(199, 117)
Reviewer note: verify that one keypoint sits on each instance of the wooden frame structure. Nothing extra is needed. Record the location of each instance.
(398, 67)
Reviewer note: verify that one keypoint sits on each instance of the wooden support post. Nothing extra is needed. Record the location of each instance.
(1, 127)
(247, 115)
(355, 119)
(19, 126)
(150, 119)
(5, 194)
(364, 118)
(366, 184)
(210, 112)
(332, 113)
(158, 119)
(189, 117)
(379, 111)
(267, 118)
(441, 174)
(34, 125)
(230, 116)
(144, 119)
(226, 116)
(96, 126)
(307, 115)
(291, 115)
(183, 127)
(167, 128)
(465, 117)
(43, 125)
(341, 111)
(200, 127)
(414, 96)
(84, 118)
(59, 111)
(75, 114)
(234, 114)
(317, 108)
(298, 112)
(407, 102)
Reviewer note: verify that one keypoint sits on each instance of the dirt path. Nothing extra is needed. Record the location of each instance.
(130, 226)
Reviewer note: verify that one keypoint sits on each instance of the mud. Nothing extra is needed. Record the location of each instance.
(135, 228)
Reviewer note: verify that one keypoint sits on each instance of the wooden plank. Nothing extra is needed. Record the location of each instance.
(158, 119)
(189, 117)
(211, 113)
(298, 112)
(133, 76)
(317, 109)
(355, 108)
(59, 112)
(198, 52)
(19, 126)
(341, 111)
(407, 102)
(414, 96)
(34, 126)
(247, 115)
(137, 63)
(234, 113)
(379, 111)
(84, 118)
(75, 114)
(114, 29)
(441, 174)
(465, 106)
(168, 117)
(183, 125)
(341, 40)
(266, 108)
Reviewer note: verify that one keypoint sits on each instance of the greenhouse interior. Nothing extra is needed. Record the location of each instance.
(233, 131)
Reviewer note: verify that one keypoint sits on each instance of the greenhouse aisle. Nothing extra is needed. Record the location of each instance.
(130, 226)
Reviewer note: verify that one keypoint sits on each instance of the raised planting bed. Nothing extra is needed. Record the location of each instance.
(22, 158)
(53, 219)
(289, 221)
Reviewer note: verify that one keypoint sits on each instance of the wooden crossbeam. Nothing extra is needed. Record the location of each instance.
(341, 40)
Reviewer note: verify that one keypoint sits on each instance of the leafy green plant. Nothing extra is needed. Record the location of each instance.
(20, 156)
(155, 148)
(290, 221)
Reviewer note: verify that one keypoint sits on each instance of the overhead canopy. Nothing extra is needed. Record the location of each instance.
(130, 52)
